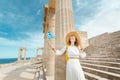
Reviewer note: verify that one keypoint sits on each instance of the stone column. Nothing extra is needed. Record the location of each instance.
(51, 57)
(45, 51)
(19, 55)
(36, 53)
(64, 24)
(25, 55)
(83, 38)
(48, 55)
(45, 29)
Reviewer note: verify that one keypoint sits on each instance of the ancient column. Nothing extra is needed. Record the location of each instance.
(25, 54)
(83, 38)
(49, 25)
(51, 56)
(36, 53)
(45, 29)
(20, 54)
(45, 51)
(64, 24)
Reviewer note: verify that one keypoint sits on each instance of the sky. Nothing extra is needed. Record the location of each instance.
(21, 22)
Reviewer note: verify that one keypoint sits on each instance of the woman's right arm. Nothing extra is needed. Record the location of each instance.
(58, 52)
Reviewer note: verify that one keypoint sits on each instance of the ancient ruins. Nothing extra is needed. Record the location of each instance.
(103, 51)
(58, 19)
(102, 62)
(21, 52)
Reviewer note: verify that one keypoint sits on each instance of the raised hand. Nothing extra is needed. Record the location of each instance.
(52, 47)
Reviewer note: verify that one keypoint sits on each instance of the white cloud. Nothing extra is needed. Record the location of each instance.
(3, 33)
(1, 15)
(35, 40)
(107, 20)
(78, 2)
(39, 12)
(14, 19)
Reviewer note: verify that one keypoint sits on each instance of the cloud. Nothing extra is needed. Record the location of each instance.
(3, 33)
(21, 24)
(9, 48)
(84, 11)
(13, 24)
(21, 16)
(106, 20)
(16, 20)
(39, 12)
(35, 40)
(78, 2)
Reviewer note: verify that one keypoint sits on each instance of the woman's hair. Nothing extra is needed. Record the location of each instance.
(77, 43)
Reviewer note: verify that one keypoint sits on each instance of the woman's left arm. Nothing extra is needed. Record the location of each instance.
(82, 53)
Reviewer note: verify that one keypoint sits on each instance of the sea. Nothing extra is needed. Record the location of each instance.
(9, 60)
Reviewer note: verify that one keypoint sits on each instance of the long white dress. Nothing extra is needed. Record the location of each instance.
(73, 68)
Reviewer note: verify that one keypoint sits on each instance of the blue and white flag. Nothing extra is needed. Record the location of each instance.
(50, 35)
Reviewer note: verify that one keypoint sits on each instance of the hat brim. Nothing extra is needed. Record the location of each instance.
(72, 34)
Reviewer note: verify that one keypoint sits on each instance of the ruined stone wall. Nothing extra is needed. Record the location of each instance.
(83, 38)
(104, 45)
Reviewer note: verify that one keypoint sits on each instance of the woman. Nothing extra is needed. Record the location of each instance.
(74, 51)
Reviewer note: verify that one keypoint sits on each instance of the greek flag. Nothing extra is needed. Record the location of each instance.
(50, 35)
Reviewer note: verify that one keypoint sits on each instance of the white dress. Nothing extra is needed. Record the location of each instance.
(73, 68)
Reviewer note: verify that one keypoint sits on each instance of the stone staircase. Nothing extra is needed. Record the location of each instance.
(101, 69)
(103, 57)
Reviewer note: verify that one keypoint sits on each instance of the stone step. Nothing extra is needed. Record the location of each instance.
(90, 76)
(40, 75)
(102, 67)
(104, 59)
(106, 63)
(105, 74)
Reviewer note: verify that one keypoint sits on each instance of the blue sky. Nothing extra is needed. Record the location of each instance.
(21, 22)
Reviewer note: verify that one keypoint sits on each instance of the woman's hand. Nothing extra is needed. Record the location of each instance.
(51, 46)
(81, 49)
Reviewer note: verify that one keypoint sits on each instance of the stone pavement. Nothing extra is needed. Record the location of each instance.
(19, 72)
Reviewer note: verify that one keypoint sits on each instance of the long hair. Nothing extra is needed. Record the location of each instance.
(77, 42)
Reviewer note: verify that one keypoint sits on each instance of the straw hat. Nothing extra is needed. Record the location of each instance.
(72, 34)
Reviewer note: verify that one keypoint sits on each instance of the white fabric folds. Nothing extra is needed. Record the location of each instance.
(74, 70)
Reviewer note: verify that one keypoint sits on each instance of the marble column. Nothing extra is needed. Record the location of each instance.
(48, 55)
(25, 55)
(45, 51)
(45, 29)
(20, 54)
(64, 24)
(36, 53)
(51, 57)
